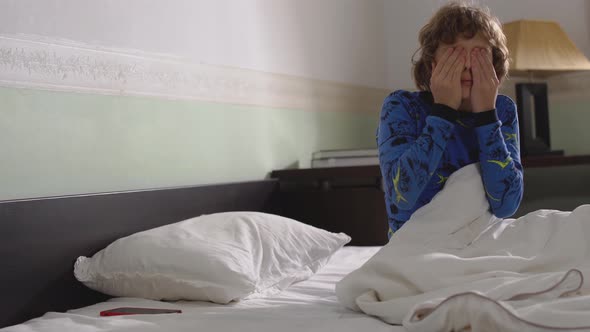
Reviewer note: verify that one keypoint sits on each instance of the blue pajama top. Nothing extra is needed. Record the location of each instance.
(422, 143)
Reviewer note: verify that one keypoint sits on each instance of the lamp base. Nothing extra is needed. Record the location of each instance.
(533, 118)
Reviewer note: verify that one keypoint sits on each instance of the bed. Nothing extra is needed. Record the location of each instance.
(310, 305)
(43, 237)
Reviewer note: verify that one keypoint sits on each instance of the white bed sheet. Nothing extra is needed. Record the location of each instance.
(310, 305)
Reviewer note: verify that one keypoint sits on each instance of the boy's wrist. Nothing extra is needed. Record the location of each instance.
(444, 111)
(486, 117)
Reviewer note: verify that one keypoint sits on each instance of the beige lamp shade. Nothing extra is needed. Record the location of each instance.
(541, 48)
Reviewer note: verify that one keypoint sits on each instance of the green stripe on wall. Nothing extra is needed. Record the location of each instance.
(57, 143)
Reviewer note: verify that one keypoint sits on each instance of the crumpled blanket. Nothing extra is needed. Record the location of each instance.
(455, 267)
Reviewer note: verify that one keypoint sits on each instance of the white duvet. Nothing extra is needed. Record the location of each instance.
(455, 267)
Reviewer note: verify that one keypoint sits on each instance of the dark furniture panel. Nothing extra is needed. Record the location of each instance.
(357, 211)
(339, 199)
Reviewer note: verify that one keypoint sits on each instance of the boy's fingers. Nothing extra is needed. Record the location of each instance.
(475, 68)
(488, 65)
(445, 56)
(448, 65)
(459, 66)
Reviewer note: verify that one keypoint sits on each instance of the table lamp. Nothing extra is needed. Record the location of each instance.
(538, 49)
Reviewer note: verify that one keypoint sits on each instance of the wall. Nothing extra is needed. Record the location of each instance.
(59, 143)
(337, 40)
(109, 95)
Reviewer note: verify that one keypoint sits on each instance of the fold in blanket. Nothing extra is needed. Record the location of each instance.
(454, 266)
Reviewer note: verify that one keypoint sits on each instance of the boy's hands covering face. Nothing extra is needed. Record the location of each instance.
(445, 82)
(485, 82)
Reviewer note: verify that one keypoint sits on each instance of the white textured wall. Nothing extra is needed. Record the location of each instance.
(366, 42)
(338, 40)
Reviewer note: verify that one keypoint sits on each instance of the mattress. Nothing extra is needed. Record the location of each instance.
(310, 305)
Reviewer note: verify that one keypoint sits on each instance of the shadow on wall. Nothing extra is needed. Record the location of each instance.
(327, 44)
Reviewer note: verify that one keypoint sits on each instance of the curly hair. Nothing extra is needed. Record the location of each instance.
(451, 21)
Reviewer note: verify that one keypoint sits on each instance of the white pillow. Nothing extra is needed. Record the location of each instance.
(220, 257)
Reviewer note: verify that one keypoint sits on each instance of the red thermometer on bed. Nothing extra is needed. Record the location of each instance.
(137, 311)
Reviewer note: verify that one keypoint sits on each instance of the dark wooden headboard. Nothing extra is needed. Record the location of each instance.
(41, 238)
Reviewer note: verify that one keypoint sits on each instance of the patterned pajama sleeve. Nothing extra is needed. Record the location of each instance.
(500, 159)
(409, 158)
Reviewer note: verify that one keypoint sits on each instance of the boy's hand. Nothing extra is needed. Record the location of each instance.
(485, 82)
(445, 82)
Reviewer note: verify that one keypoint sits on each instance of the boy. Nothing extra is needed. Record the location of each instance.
(457, 118)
